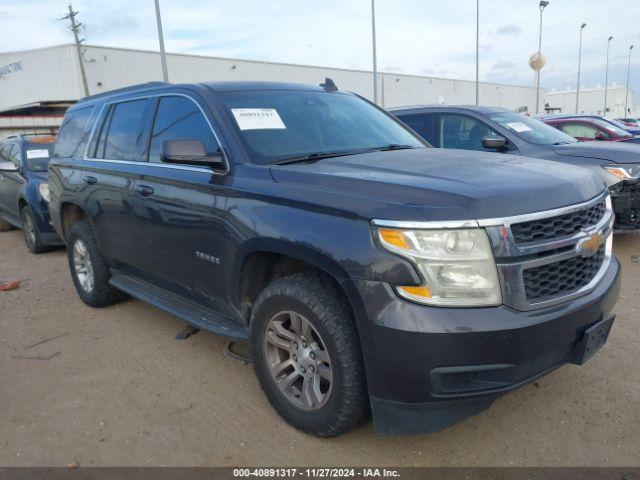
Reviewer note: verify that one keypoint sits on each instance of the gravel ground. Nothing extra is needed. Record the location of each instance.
(113, 387)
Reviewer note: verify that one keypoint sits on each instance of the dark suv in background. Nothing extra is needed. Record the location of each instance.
(493, 129)
(367, 271)
(24, 192)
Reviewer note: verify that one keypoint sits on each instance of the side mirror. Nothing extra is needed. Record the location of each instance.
(190, 152)
(8, 167)
(494, 142)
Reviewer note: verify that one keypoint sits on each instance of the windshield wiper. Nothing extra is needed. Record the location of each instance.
(312, 157)
(394, 146)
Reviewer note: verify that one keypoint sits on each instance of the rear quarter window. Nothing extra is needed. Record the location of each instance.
(74, 134)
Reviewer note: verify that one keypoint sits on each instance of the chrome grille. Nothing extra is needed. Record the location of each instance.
(558, 226)
(541, 257)
(561, 278)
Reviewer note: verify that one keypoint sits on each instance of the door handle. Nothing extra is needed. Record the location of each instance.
(89, 180)
(144, 190)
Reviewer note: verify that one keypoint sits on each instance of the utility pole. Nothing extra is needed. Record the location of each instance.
(375, 56)
(543, 4)
(579, 65)
(477, 52)
(75, 28)
(626, 93)
(163, 55)
(606, 77)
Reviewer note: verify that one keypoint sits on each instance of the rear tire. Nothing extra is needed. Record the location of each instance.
(32, 236)
(5, 226)
(306, 354)
(89, 268)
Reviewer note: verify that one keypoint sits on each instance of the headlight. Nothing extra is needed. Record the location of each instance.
(43, 188)
(457, 266)
(623, 172)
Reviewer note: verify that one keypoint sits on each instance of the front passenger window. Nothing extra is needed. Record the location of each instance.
(179, 118)
(463, 132)
(14, 155)
(580, 130)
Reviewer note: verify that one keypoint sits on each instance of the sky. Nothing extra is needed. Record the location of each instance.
(425, 37)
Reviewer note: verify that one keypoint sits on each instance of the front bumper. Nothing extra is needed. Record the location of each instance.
(430, 367)
(625, 198)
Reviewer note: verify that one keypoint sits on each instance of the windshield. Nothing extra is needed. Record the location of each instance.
(278, 125)
(531, 130)
(616, 127)
(37, 155)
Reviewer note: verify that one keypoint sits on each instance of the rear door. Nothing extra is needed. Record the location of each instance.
(117, 148)
(179, 209)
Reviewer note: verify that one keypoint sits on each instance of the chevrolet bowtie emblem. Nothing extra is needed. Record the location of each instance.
(590, 245)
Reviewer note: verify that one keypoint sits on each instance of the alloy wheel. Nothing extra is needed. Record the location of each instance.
(83, 266)
(29, 229)
(297, 360)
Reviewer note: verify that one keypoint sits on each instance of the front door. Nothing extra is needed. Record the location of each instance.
(179, 213)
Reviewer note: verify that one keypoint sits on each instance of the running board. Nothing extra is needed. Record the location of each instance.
(191, 312)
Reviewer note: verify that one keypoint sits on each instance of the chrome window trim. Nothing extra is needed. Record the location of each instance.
(147, 162)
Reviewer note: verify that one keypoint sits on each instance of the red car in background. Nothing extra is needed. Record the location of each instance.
(630, 122)
(589, 128)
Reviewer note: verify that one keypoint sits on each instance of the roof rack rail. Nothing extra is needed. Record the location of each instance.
(122, 90)
(23, 135)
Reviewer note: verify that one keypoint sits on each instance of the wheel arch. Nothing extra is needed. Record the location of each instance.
(263, 260)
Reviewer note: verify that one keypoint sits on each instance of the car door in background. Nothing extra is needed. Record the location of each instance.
(583, 131)
(12, 184)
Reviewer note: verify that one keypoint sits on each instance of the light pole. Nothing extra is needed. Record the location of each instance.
(606, 77)
(543, 4)
(477, 52)
(375, 59)
(163, 56)
(626, 93)
(579, 65)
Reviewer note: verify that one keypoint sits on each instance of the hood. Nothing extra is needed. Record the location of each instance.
(439, 184)
(616, 152)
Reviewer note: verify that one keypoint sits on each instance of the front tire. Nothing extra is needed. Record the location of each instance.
(89, 268)
(306, 354)
(32, 236)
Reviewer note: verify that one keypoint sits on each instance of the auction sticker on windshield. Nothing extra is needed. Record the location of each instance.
(519, 127)
(39, 153)
(258, 118)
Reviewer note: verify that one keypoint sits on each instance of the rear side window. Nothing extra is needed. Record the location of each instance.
(425, 125)
(179, 118)
(121, 135)
(73, 134)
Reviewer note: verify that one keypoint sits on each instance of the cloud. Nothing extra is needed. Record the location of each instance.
(418, 37)
(509, 30)
(503, 65)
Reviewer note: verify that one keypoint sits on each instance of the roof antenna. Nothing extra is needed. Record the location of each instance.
(329, 85)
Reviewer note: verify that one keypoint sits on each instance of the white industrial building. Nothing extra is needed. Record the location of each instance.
(37, 85)
(591, 101)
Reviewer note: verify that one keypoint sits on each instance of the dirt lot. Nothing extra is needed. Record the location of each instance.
(113, 387)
